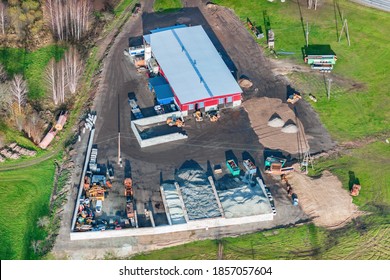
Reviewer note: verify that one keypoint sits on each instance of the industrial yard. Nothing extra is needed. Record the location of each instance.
(163, 185)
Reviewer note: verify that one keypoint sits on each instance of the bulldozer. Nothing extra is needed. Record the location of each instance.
(173, 121)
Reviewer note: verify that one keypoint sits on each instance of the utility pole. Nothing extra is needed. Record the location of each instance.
(329, 85)
(307, 34)
(315, 5)
(119, 135)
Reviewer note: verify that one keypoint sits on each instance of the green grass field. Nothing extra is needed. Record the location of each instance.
(349, 114)
(31, 64)
(24, 196)
(167, 5)
(363, 240)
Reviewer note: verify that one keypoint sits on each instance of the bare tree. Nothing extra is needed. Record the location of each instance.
(73, 68)
(3, 74)
(68, 19)
(5, 98)
(3, 16)
(56, 79)
(19, 90)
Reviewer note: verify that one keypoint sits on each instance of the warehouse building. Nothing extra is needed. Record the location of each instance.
(197, 75)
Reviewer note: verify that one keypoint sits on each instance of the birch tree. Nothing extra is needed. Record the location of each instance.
(19, 91)
(70, 19)
(3, 17)
(73, 68)
(5, 98)
(56, 80)
(3, 74)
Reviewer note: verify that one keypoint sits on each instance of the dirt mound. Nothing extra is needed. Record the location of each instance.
(290, 128)
(275, 122)
(261, 111)
(324, 199)
(245, 83)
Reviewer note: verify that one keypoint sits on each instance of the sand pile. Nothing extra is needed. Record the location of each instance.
(245, 83)
(275, 121)
(290, 128)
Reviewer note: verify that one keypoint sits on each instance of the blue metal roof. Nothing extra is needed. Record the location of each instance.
(157, 81)
(167, 28)
(192, 65)
(164, 94)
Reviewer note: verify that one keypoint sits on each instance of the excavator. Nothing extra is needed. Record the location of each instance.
(198, 116)
(173, 121)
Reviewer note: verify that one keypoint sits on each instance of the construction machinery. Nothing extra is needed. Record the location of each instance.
(233, 167)
(198, 116)
(128, 187)
(275, 165)
(254, 29)
(294, 98)
(249, 166)
(173, 121)
(128, 182)
(213, 115)
(96, 192)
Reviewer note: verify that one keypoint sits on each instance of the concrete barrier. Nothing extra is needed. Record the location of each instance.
(81, 186)
(159, 139)
(203, 224)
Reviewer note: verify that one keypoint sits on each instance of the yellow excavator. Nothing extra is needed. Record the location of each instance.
(173, 121)
(198, 116)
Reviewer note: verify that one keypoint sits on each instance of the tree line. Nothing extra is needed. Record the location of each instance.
(61, 79)
(28, 22)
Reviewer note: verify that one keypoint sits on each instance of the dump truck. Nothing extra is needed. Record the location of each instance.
(233, 167)
(249, 166)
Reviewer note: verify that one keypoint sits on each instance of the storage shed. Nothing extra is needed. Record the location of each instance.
(162, 90)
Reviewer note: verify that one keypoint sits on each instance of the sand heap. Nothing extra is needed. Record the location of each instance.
(275, 121)
(290, 128)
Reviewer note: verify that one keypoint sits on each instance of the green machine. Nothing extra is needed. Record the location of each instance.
(320, 57)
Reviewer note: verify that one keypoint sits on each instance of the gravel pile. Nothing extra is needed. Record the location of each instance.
(198, 195)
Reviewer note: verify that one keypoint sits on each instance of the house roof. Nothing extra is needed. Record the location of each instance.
(191, 64)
